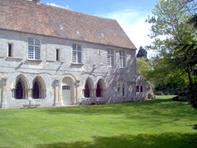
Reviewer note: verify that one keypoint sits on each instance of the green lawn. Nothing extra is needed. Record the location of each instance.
(159, 123)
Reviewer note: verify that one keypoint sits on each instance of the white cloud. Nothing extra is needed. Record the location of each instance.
(55, 5)
(133, 23)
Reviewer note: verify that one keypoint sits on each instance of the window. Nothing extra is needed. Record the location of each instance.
(137, 89)
(39, 88)
(111, 57)
(122, 59)
(141, 89)
(119, 88)
(99, 52)
(123, 90)
(20, 91)
(77, 54)
(88, 88)
(34, 49)
(57, 54)
(10, 50)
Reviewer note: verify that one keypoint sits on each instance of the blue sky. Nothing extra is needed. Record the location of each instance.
(130, 14)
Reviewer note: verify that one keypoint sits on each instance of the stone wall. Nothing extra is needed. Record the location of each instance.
(147, 90)
(95, 67)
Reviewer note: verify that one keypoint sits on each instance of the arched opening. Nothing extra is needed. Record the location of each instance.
(88, 88)
(39, 89)
(68, 91)
(20, 91)
(100, 88)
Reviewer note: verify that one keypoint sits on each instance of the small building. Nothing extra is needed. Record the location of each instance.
(51, 56)
(144, 90)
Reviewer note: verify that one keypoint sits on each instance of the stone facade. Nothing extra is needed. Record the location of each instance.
(144, 90)
(116, 84)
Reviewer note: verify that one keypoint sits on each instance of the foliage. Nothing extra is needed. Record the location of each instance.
(167, 79)
(150, 124)
(193, 20)
(175, 37)
(142, 53)
(143, 67)
(156, 73)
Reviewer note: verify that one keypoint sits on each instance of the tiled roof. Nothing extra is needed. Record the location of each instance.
(30, 17)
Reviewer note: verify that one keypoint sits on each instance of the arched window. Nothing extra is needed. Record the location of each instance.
(141, 88)
(20, 91)
(87, 91)
(38, 90)
(137, 88)
(88, 88)
(100, 88)
(119, 88)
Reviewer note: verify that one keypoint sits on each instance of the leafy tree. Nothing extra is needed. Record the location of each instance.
(175, 38)
(165, 78)
(142, 53)
(193, 20)
(143, 67)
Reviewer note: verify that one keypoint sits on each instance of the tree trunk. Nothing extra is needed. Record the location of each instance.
(192, 89)
(189, 74)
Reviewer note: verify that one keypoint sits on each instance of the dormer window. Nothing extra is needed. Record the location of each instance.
(34, 49)
(77, 54)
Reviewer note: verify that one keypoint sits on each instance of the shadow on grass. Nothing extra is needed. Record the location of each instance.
(167, 140)
(195, 126)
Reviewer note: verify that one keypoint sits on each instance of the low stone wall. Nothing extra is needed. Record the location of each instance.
(95, 100)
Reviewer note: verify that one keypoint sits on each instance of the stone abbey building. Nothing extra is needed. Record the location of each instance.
(51, 56)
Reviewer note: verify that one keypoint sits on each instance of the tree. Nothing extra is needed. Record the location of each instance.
(175, 38)
(165, 78)
(143, 67)
(193, 20)
(142, 53)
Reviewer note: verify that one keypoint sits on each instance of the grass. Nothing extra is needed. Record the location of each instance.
(159, 123)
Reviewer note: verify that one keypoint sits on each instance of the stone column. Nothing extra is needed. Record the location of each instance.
(56, 95)
(76, 91)
(93, 93)
(3, 91)
(57, 101)
(60, 98)
(29, 94)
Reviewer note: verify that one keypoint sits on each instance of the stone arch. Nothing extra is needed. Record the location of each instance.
(140, 82)
(68, 90)
(39, 88)
(70, 76)
(21, 87)
(88, 88)
(100, 88)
